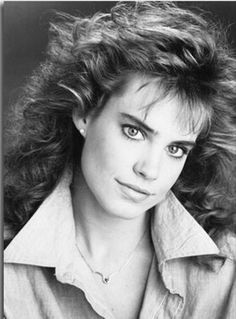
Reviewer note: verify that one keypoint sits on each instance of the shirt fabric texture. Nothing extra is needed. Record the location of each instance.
(191, 276)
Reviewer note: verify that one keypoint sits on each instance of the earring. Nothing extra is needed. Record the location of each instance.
(82, 131)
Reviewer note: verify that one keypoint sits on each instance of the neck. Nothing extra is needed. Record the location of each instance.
(100, 235)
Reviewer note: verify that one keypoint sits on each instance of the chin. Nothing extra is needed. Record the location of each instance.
(123, 210)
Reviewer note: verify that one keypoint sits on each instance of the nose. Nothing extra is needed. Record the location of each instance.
(149, 165)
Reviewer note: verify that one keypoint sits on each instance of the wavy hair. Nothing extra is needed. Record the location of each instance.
(87, 60)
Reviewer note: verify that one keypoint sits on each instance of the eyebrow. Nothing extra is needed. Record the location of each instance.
(189, 144)
(139, 122)
(147, 128)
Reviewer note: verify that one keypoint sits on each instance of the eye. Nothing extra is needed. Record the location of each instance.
(176, 151)
(133, 132)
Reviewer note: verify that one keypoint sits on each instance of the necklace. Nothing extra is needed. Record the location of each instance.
(106, 279)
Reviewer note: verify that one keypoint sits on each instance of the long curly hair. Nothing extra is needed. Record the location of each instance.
(87, 60)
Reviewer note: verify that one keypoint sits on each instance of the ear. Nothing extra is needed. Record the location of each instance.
(81, 122)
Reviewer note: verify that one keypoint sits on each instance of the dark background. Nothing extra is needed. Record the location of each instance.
(25, 37)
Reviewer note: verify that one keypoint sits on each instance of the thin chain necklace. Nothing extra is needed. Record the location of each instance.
(106, 279)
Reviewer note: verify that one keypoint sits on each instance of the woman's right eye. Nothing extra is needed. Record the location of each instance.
(133, 132)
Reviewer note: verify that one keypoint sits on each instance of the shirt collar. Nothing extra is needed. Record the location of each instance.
(49, 236)
(48, 233)
(176, 234)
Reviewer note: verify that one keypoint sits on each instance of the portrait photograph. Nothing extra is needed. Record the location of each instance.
(119, 159)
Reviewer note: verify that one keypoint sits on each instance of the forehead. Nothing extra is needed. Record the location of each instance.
(145, 96)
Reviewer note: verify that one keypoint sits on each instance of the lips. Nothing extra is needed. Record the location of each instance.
(135, 188)
(134, 192)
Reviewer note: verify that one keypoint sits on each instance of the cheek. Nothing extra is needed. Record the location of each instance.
(171, 173)
(102, 153)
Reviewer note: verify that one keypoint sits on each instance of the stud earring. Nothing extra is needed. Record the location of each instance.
(82, 131)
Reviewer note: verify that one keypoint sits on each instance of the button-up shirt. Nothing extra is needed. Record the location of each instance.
(191, 276)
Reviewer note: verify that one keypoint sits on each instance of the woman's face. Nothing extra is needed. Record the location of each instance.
(132, 156)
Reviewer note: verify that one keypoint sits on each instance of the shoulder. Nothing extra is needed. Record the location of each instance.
(225, 259)
(20, 276)
(25, 287)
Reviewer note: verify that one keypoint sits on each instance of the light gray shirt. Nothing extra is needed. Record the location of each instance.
(45, 277)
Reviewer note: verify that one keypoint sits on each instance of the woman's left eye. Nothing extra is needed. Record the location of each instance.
(133, 132)
(176, 151)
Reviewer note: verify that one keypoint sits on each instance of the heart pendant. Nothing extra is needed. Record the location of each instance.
(105, 280)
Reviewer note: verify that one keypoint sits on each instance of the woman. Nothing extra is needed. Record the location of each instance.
(119, 188)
